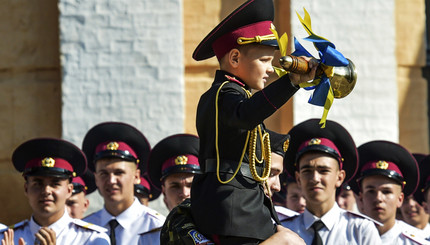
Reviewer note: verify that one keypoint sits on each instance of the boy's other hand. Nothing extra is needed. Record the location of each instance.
(296, 78)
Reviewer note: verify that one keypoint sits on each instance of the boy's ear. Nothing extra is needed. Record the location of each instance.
(233, 57)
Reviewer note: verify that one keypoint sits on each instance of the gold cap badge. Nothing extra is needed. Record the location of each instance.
(314, 141)
(112, 146)
(286, 144)
(181, 160)
(48, 162)
(382, 165)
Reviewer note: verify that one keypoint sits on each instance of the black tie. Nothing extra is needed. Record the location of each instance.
(317, 225)
(113, 224)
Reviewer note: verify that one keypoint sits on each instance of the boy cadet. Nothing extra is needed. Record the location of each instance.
(412, 209)
(228, 199)
(48, 166)
(78, 203)
(172, 164)
(321, 159)
(387, 172)
(113, 150)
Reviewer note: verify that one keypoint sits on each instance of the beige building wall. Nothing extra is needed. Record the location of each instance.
(412, 87)
(30, 91)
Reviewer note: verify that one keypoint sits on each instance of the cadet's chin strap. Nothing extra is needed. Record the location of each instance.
(252, 137)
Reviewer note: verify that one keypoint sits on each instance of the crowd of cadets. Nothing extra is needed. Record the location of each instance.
(320, 188)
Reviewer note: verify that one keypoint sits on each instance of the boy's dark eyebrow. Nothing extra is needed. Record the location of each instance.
(307, 166)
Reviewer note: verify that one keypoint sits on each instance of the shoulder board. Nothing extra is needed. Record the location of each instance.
(89, 226)
(19, 225)
(414, 237)
(154, 213)
(364, 217)
(290, 218)
(151, 231)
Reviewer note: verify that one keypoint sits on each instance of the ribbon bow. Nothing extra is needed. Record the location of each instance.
(329, 58)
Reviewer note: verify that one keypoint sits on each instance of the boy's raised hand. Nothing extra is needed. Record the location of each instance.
(297, 78)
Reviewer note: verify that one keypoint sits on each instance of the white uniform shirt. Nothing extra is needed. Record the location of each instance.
(426, 232)
(341, 227)
(2, 227)
(67, 231)
(284, 213)
(403, 233)
(137, 223)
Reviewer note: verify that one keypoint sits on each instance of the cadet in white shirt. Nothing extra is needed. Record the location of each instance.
(387, 173)
(172, 164)
(113, 150)
(48, 166)
(321, 159)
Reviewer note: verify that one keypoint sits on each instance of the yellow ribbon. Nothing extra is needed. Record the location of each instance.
(282, 43)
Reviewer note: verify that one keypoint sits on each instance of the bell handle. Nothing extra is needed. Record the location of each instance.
(296, 64)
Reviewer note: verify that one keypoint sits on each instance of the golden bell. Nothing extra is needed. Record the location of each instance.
(342, 81)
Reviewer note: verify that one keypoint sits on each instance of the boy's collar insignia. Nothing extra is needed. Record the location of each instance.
(233, 79)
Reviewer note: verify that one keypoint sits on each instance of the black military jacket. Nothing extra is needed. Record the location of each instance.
(239, 208)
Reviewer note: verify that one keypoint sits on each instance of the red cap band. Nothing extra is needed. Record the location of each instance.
(228, 41)
(50, 163)
(115, 146)
(382, 165)
(187, 159)
(327, 144)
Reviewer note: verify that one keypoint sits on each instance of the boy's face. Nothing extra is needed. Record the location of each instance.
(295, 200)
(77, 204)
(275, 170)
(254, 65)
(346, 199)
(47, 196)
(115, 180)
(413, 213)
(318, 178)
(381, 196)
(176, 188)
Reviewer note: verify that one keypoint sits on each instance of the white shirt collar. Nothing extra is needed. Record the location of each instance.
(126, 218)
(57, 226)
(328, 218)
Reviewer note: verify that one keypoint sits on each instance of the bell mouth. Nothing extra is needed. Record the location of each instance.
(343, 80)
